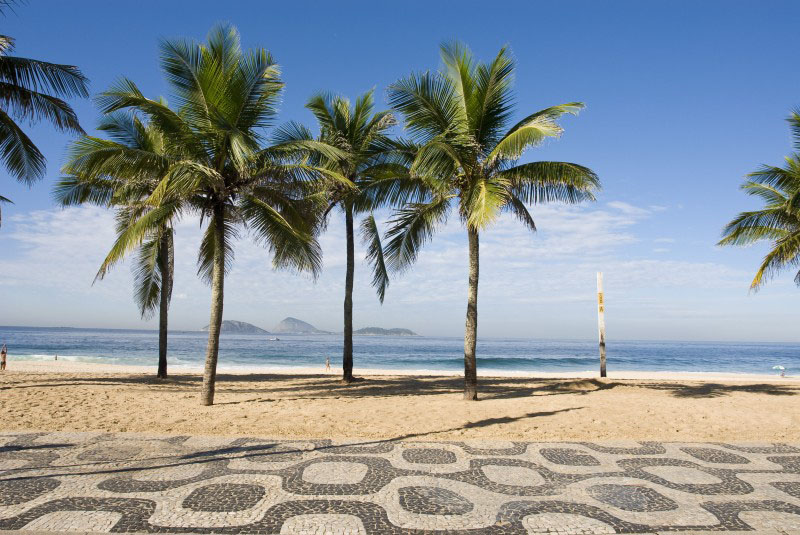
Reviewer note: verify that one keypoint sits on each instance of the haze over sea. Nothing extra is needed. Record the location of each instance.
(187, 349)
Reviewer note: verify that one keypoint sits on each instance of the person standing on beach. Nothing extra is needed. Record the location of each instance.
(3, 356)
(327, 364)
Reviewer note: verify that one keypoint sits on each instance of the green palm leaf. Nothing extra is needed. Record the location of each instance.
(371, 237)
(30, 90)
(411, 227)
(532, 130)
(20, 156)
(540, 182)
(778, 222)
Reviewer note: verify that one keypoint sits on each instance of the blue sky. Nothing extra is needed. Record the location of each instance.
(683, 99)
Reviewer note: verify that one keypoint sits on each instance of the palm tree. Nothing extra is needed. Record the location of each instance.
(226, 98)
(123, 172)
(30, 91)
(352, 144)
(467, 157)
(778, 222)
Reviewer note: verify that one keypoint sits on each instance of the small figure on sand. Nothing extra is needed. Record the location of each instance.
(3, 357)
(327, 364)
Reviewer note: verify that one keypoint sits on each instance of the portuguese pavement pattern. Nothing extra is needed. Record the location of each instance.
(96, 482)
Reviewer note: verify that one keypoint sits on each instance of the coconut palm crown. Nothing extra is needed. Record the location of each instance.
(223, 170)
(353, 144)
(778, 222)
(467, 156)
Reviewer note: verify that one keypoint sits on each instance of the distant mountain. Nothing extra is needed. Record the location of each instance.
(377, 331)
(296, 326)
(239, 327)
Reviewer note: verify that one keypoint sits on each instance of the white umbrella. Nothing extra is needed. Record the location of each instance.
(779, 367)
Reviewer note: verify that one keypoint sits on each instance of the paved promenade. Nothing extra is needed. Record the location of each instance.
(92, 482)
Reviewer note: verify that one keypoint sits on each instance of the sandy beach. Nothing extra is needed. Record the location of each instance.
(67, 396)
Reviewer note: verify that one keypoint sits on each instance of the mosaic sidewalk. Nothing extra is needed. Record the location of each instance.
(91, 482)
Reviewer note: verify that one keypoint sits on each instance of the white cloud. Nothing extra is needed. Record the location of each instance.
(628, 209)
(530, 282)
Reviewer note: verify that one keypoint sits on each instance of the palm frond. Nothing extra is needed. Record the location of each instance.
(73, 190)
(90, 156)
(371, 237)
(292, 243)
(295, 139)
(493, 98)
(460, 65)
(750, 227)
(40, 76)
(134, 234)
(34, 106)
(532, 130)
(518, 208)
(482, 203)
(22, 158)
(147, 276)
(127, 129)
(410, 227)
(781, 178)
(437, 157)
(209, 245)
(784, 253)
(428, 102)
(125, 94)
(794, 126)
(771, 195)
(539, 182)
(388, 184)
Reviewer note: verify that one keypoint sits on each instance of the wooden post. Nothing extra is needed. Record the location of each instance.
(601, 323)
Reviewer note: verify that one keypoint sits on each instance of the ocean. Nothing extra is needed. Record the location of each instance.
(187, 349)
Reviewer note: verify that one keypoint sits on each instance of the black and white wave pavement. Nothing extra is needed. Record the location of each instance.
(97, 482)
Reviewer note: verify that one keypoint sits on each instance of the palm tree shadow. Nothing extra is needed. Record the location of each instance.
(715, 390)
(271, 386)
(248, 451)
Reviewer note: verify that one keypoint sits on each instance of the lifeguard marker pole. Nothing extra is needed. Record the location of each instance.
(601, 323)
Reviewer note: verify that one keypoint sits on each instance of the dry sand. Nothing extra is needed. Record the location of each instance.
(65, 396)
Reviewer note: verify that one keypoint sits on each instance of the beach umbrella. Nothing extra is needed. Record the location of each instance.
(779, 367)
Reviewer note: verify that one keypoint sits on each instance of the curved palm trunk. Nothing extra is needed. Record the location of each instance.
(217, 290)
(167, 267)
(471, 328)
(347, 354)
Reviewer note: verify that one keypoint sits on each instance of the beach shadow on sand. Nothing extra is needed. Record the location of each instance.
(271, 386)
(245, 451)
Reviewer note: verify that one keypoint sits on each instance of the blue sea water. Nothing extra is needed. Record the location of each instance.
(140, 347)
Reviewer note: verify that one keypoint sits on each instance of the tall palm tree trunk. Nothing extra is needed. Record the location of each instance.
(471, 329)
(215, 323)
(166, 261)
(347, 355)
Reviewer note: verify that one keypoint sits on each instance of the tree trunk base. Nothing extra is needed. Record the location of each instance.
(471, 394)
(347, 379)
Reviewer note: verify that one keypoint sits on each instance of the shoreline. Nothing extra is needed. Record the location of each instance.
(72, 367)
